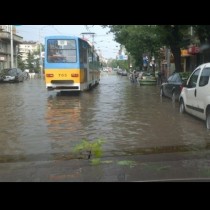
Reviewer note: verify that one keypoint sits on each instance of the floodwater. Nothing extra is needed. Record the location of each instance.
(130, 119)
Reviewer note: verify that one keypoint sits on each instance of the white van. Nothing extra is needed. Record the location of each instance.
(195, 95)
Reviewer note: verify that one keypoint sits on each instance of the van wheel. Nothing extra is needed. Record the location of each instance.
(208, 119)
(181, 107)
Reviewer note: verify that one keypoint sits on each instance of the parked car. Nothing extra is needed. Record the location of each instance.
(174, 84)
(12, 75)
(124, 73)
(119, 71)
(147, 78)
(195, 96)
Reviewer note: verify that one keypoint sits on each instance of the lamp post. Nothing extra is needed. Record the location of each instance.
(40, 50)
(11, 43)
(40, 57)
(89, 33)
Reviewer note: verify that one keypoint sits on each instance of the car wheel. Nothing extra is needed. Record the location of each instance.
(181, 106)
(173, 97)
(208, 119)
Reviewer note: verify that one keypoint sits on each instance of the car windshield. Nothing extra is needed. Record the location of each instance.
(9, 72)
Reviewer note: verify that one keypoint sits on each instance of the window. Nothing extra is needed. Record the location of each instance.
(83, 51)
(61, 51)
(176, 78)
(193, 79)
(204, 79)
(170, 79)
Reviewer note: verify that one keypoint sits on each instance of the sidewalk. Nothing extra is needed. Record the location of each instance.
(135, 168)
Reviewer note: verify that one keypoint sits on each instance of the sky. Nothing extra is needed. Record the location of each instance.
(103, 40)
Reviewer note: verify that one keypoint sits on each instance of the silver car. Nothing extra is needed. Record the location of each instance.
(11, 75)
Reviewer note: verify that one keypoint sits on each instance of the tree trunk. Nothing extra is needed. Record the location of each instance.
(177, 57)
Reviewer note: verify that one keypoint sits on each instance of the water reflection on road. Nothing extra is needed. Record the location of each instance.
(40, 125)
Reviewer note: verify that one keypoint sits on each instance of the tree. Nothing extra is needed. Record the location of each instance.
(36, 61)
(149, 38)
(137, 39)
(33, 61)
(174, 36)
(122, 64)
(203, 33)
(20, 62)
(30, 62)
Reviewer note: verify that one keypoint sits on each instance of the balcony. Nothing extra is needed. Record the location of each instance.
(6, 36)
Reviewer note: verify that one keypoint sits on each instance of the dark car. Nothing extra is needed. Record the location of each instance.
(174, 84)
(12, 75)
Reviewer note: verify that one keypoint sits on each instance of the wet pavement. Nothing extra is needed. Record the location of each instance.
(144, 136)
(135, 168)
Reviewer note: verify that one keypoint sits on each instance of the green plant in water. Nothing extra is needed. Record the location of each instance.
(129, 163)
(91, 149)
(95, 161)
(155, 167)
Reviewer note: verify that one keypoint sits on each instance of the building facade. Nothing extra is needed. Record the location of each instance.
(7, 39)
(28, 46)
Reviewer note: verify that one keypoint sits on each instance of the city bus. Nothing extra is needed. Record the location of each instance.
(71, 64)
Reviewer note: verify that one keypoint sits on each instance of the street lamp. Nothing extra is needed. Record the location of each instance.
(40, 49)
(11, 43)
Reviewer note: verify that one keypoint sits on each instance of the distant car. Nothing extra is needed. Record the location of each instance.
(124, 73)
(195, 96)
(147, 78)
(119, 71)
(12, 75)
(174, 84)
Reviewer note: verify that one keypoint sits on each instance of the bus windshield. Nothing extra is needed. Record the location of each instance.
(61, 51)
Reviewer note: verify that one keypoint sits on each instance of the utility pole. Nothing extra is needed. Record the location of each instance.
(89, 33)
(40, 50)
(168, 54)
(11, 43)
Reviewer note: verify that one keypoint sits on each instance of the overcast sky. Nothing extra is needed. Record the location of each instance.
(103, 41)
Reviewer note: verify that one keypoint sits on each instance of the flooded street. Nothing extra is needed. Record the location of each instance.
(37, 125)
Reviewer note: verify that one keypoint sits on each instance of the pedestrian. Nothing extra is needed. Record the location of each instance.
(135, 75)
(159, 78)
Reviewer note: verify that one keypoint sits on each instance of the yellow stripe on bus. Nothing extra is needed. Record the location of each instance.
(77, 75)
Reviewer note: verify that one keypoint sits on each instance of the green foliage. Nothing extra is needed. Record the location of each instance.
(95, 161)
(91, 149)
(129, 163)
(21, 65)
(202, 32)
(137, 39)
(147, 39)
(173, 35)
(185, 75)
(29, 61)
(123, 64)
(107, 161)
(84, 145)
(156, 167)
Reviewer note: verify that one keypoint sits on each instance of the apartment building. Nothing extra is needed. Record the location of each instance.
(5, 46)
(28, 46)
